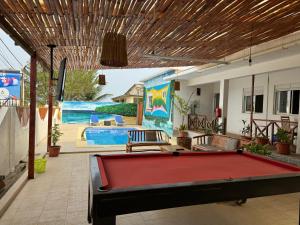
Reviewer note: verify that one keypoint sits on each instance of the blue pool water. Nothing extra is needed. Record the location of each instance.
(107, 136)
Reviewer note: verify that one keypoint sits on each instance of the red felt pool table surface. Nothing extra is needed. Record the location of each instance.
(132, 170)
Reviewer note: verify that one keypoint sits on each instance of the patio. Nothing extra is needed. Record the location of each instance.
(59, 197)
(204, 30)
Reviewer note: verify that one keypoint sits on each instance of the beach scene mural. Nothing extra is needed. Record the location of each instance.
(81, 111)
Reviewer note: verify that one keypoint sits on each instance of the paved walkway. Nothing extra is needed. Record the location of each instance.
(59, 197)
(70, 141)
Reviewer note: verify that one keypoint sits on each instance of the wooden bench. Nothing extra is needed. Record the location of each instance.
(215, 142)
(137, 138)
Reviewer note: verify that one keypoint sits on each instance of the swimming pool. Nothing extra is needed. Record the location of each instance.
(107, 136)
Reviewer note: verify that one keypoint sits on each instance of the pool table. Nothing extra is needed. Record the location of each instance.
(128, 183)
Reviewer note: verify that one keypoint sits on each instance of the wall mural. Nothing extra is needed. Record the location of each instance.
(158, 100)
(158, 103)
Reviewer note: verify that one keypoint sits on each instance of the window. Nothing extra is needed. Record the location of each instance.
(287, 101)
(149, 102)
(258, 100)
(216, 100)
(259, 103)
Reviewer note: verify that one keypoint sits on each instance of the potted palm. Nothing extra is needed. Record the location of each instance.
(54, 149)
(183, 109)
(246, 130)
(245, 138)
(283, 142)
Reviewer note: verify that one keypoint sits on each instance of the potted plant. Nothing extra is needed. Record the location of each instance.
(245, 130)
(283, 142)
(55, 135)
(261, 139)
(245, 138)
(183, 107)
(182, 131)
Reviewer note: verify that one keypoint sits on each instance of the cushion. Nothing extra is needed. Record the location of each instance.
(150, 135)
(231, 144)
(206, 148)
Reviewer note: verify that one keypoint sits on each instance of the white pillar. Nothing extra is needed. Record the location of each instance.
(298, 138)
(223, 104)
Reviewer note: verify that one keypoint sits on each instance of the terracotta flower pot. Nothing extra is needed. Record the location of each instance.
(283, 148)
(54, 151)
(245, 140)
(262, 140)
(183, 133)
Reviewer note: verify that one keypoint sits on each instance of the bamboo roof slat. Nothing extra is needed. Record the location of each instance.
(210, 29)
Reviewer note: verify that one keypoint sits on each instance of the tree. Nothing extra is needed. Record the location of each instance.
(83, 86)
(42, 83)
(79, 86)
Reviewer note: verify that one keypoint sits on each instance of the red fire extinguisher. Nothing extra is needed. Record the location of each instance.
(218, 112)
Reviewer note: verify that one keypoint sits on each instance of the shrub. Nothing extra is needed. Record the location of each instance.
(123, 109)
(258, 149)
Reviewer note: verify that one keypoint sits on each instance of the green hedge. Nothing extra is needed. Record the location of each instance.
(123, 109)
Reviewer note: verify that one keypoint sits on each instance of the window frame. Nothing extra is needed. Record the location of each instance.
(254, 101)
(289, 106)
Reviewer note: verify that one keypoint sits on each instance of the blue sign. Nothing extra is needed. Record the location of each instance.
(10, 85)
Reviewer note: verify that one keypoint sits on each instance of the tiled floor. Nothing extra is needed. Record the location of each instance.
(59, 197)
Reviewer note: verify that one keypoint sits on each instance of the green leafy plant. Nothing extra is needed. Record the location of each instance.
(123, 109)
(55, 134)
(217, 128)
(258, 149)
(182, 127)
(282, 136)
(183, 107)
(246, 128)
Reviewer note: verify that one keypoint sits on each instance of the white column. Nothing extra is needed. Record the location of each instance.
(298, 137)
(223, 104)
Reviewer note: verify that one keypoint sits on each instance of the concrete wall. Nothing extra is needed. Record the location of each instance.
(4, 141)
(235, 98)
(14, 137)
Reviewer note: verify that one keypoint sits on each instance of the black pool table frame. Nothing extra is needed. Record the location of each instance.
(104, 206)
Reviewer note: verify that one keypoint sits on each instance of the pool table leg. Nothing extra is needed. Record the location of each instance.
(111, 220)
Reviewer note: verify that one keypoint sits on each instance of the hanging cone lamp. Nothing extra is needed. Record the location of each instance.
(177, 86)
(114, 50)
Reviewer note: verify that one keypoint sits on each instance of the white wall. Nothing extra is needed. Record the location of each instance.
(41, 128)
(4, 141)
(14, 138)
(235, 98)
(204, 101)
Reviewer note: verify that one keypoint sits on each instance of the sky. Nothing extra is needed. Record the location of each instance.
(118, 80)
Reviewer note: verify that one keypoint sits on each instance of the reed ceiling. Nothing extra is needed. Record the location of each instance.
(208, 29)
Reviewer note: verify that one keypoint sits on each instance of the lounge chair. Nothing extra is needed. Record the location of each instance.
(137, 138)
(119, 120)
(94, 120)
